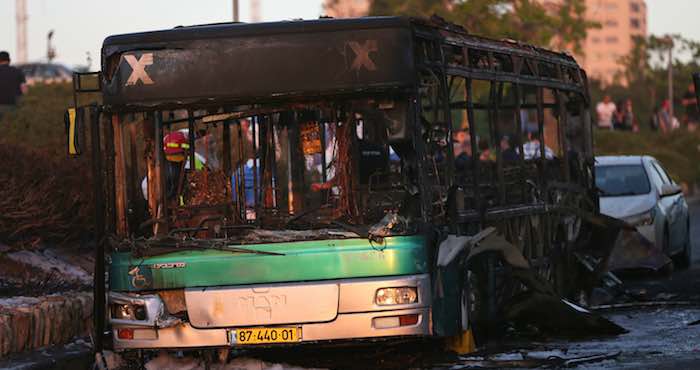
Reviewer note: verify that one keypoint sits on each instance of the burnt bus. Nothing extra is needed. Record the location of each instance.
(306, 181)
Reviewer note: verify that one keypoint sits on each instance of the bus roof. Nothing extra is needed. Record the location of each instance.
(237, 62)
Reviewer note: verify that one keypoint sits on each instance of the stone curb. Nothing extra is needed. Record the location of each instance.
(28, 323)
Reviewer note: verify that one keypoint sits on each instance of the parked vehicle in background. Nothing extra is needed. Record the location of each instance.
(46, 73)
(638, 190)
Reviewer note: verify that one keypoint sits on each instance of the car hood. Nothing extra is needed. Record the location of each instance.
(625, 206)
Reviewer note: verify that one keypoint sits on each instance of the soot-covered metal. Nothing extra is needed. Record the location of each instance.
(236, 62)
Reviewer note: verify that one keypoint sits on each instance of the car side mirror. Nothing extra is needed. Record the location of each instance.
(669, 189)
(74, 131)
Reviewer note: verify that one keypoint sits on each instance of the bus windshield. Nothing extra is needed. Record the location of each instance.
(306, 167)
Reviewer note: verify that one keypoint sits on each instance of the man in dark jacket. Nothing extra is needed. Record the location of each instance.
(11, 84)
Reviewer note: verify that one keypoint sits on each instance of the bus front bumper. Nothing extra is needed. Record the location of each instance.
(344, 327)
(215, 314)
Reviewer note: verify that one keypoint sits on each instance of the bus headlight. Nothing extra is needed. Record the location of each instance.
(122, 311)
(393, 296)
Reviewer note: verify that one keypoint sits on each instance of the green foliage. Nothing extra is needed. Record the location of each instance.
(38, 120)
(522, 20)
(677, 151)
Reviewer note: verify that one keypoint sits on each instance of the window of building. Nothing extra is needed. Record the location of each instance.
(611, 39)
(595, 40)
(611, 23)
(634, 23)
(634, 7)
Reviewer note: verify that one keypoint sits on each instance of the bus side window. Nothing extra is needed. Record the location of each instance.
(552, 139)
(434, 120)
(483, 102)
(461, 139)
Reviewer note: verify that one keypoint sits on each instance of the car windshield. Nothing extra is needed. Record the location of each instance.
(621, 180)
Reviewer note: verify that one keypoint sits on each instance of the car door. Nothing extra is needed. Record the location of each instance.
(676, 212)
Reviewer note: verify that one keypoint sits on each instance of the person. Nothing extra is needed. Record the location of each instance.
(12, 84)
(690, 102)
(462, 147)
(176, 150)
(605, 110)
(618, 118)
(654, 119)
(486, 154)
(531, 149)
(665, 120)
(629, 118)
(507, 151)
(623, 118)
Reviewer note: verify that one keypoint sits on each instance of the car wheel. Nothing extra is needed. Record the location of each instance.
(684, 258)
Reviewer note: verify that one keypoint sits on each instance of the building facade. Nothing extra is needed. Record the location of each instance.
(346, 8)
(621, 22)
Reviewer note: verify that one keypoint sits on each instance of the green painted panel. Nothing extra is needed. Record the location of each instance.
(302, 261)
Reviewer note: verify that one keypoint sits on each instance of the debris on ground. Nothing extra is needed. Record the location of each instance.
(559, 317)
(165, 360)
(530, 360)
(70, 356)
(43, 271)
(43, 197)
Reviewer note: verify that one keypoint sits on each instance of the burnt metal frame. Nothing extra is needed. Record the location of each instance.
(78, 85)
(521, 55)
(542, 255)
(100, 240)
(517, 51)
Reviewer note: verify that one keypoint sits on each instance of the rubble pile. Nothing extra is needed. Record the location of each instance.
(43, 198)
(28, 323)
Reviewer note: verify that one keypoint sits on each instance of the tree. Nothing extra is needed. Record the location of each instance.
(562, 26)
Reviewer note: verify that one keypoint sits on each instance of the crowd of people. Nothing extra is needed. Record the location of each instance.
(620, 116)
(510, 149)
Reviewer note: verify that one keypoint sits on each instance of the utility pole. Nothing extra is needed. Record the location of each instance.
(235, 11)
(21, 19)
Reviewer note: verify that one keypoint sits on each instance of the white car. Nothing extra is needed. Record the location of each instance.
(638, 190)
(46, 73)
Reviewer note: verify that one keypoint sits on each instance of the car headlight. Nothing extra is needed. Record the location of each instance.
(393, 296)
(122, 311)
(642, 219)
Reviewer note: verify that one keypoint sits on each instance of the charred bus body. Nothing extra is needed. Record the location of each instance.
(306, 181)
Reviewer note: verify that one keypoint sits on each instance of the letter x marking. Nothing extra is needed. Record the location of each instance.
(362, 58)
(138, 69)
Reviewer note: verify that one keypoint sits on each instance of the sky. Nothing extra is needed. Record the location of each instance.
(81, 25)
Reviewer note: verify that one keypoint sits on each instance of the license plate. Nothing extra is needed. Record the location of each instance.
(264, 335)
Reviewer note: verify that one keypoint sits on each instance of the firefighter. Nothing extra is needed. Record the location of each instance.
(176, 149)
